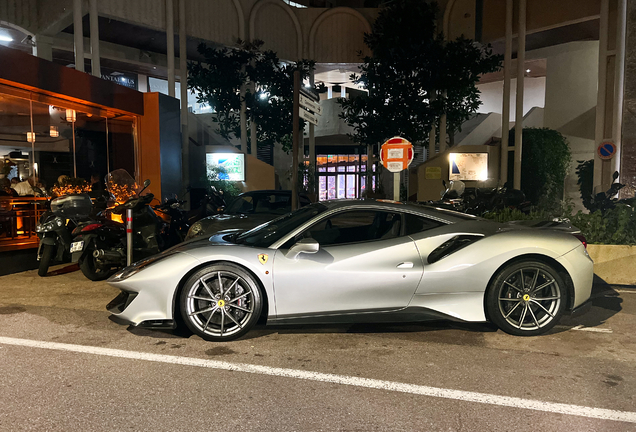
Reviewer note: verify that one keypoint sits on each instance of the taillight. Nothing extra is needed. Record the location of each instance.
(582, 238)
(91, 227)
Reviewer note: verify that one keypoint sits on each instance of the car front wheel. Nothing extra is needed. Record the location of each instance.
(526, 298)
(221, 302)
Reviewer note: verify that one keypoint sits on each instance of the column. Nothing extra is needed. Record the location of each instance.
(505, 116)
(78, 35)
(521, 59)
(170, 45)
(96, 69)
(627, 148)
(183, 67)
(43, 47)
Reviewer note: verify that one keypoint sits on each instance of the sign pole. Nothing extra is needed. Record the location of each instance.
(396, 186)
(129, 243)
(295, 141)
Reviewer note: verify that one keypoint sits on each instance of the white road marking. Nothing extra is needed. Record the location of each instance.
(592, 329)
(468, 396)
(587, 329)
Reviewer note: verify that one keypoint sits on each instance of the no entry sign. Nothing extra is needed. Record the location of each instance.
(606, 150)
(396, 154)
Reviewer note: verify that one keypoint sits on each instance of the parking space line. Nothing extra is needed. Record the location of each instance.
(586, 329)
(467, 396)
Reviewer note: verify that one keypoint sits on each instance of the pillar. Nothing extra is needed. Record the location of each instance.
(170, 45)
(628, 120)
(96, 69)
(183, 67)
(521, 59)
(78, 35)
(505, 112)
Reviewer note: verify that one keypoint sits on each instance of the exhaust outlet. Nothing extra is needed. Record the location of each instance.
(108, 256)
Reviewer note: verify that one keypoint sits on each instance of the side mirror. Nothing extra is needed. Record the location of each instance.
(306, 245)
(146, 183)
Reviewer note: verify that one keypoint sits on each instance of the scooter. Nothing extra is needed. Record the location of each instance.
(56, 226)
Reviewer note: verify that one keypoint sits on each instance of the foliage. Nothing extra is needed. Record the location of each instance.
(268, 84)
(546, 160)
(508, 215)
(585, 174)
(217, 177)
(614, 226)
(411, 64)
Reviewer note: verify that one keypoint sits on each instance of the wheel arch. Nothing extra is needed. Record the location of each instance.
(569, 305)
(176, 310)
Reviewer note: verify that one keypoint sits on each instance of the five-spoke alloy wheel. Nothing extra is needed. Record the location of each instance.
(526, 298)
(221, 302)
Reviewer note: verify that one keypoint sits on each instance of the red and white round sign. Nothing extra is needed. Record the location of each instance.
(396, 154)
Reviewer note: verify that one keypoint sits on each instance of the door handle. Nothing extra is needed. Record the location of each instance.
(405, 265)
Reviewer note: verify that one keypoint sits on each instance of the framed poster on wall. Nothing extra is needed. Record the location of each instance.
(468, 166)
(234, 164)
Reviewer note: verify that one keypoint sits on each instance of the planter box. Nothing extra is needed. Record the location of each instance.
(615, 264)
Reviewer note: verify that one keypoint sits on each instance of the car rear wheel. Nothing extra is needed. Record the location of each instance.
(526, 298)
(221, 302)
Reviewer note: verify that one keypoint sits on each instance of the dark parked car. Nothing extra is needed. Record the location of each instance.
(248, 210)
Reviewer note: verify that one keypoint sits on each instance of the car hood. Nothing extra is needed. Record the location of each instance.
(234, 221)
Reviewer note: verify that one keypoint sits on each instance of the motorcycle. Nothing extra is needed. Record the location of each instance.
(56, 226)
(479, 201)
(213, 202)
(100, 246)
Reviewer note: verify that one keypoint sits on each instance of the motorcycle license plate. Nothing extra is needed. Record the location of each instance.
(77, 246)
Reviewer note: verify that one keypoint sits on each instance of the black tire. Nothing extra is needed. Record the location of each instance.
(527, 308)
(221, 317)
(89, 267)
(45, 259)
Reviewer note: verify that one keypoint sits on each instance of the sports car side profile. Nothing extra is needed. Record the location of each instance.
(354, 261)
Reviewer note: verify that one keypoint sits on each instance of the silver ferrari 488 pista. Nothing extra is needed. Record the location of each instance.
(356, 261)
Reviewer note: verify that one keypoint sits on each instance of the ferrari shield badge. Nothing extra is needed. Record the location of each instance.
(262, 258)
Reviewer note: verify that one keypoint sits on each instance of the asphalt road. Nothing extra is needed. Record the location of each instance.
(66, 367)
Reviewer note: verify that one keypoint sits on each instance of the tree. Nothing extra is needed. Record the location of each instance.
(410, 68)
(546, 161)
(268, 85)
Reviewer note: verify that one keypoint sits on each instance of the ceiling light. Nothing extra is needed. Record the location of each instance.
(5, 38)
(70, 115)
(527, 70)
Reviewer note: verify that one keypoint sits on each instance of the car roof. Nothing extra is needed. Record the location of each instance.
(424, 210)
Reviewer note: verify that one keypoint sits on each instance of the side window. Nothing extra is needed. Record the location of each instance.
(356, 226)
(415, 224)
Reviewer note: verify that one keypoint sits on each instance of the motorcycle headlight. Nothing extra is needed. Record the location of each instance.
(195, 230)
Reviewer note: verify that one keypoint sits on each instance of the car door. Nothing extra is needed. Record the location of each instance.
(364, 263)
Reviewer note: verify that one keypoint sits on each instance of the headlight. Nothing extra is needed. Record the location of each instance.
(138, 266)
(195, 230)
(50, 225)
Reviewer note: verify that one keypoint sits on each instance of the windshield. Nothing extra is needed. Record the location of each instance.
(272, 231)
(121, 185)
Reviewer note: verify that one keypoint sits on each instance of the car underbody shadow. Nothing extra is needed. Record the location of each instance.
(606, 302)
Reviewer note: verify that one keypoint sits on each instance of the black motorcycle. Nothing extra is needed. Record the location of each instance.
(100, 247)
(56, 226)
